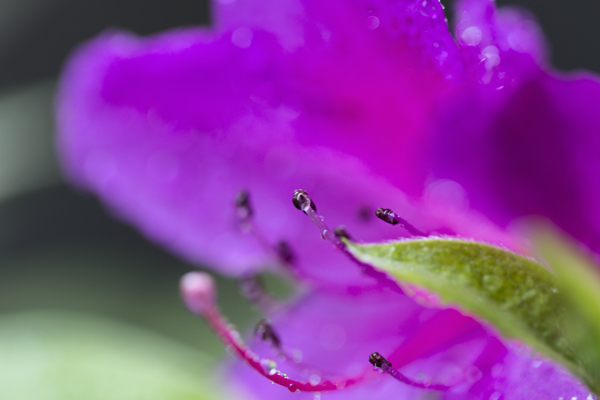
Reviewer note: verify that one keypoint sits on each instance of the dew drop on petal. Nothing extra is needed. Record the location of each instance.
(242, 37)
(314, 379)
(269, 366)
(495, 396)
(471, 36)
(372, 22)
(292, 387)
(497, 370)
(332, 337)
(473, 374)
(297, 355)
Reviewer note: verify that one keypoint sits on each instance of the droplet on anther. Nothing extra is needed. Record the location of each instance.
(198, 292)
(387, 215)
(265, 332)
(242, 204)
(342, 233)
(285, 252)
(378, 360)
(302, 202)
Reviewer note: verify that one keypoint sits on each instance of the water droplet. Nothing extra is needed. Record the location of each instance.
(536, 363)
(297, 355)
(372, 22)
(471, 36)
(332, 337)
(497, 370)
(491, 55)
(242, 37)
(324, 234)
(269, 366)
(293, 388)
(495, 396)
(377, 369)
(317, 396)
(314, 379)
(473, 374)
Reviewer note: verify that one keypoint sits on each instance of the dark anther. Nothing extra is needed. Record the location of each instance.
(264, 331)
(285, 252)
(387, 215)
(251, 287)
(242, 203)
(301, 200)
(378, 360)
(342, 233)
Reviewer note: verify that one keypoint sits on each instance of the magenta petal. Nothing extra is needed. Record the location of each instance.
(532, 150)
(500, 46)
(168, 129)
(336, 333)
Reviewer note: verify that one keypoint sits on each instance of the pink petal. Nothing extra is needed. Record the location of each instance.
(168, 129)
(531, 150)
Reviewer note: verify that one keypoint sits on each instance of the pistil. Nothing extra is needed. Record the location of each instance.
(199, 295)
(245, 213)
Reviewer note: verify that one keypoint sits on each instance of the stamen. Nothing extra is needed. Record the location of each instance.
(199, 295)
(242, 203)
(285, 252)
(342, 233)
(251, 288)
(304, 203)
(381, 364)
(245, 212)
(387, 215)
(265, 332)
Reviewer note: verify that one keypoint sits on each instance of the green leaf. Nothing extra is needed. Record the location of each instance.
(69, 356)
(518, 296)
(580, 286)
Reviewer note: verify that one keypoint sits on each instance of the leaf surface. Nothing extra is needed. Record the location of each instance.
(518, 296)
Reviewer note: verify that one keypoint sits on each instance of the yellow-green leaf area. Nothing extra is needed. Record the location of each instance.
(516, 295)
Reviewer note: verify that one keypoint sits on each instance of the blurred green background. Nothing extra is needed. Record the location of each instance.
(88, 308)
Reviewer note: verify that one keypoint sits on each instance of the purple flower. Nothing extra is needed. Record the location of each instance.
(363, 104)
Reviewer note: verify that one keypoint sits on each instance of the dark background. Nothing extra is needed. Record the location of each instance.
(61, 253)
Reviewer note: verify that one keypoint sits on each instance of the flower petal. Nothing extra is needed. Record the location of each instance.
(336, 333)
(500, 46)
(168, 129)
(531, 150)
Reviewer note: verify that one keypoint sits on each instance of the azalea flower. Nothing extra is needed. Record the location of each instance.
(200, 136)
